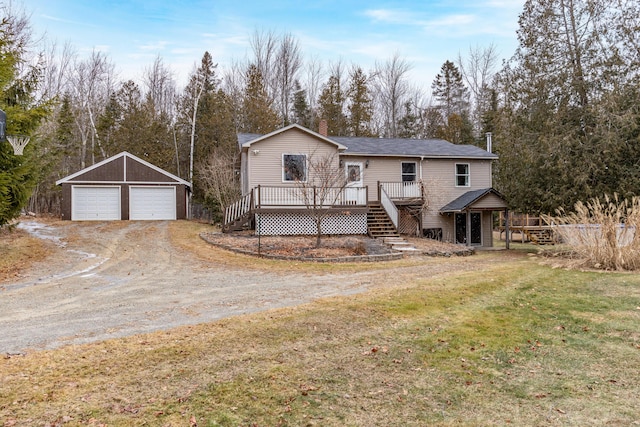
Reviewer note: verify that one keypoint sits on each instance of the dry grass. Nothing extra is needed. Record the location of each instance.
(519, 344)
(18, 251)
(185, 235)
(603, 234)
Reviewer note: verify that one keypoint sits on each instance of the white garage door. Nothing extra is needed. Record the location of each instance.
(152, 203)
(95, 203)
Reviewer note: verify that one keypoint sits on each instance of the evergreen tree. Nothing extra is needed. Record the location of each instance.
(301, 113)
(409, 123)
(561, 131)
(360, 108)
(331, 106)
(258, 113)
(18, 174)
(452, 100)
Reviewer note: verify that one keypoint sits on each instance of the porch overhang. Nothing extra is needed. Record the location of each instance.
(486, 199)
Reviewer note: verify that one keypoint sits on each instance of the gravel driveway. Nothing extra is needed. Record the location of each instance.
(108, 280)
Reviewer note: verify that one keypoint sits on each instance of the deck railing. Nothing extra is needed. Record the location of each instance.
(288, 197)
(402, 190)
(238, 209)
(267, 196)
(389, 206)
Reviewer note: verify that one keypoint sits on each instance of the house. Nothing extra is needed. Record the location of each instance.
(421, 187)
(123, 187)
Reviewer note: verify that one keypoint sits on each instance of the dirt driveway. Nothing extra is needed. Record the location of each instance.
(115, 279)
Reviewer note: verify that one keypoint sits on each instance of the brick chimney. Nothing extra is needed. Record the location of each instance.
(323, 128)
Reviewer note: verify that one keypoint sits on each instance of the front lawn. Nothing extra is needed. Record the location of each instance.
(518, 343)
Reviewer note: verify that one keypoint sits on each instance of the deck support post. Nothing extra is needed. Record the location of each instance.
(506, 227)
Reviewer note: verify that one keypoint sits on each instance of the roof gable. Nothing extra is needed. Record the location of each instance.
(245, 140)
(471, 198)
(114, 169)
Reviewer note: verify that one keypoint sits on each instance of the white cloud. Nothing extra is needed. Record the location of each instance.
(156, 46)
(391, 16)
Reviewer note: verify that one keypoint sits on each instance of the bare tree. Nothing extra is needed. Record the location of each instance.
(264, 45)
(57, 65)
(478, 70)
(161, 88)
(392, 87)
(278, 60)
(288, 64)
(324, 186)
(218, 178)
(314, 76)
(234, 82)
(92, 83)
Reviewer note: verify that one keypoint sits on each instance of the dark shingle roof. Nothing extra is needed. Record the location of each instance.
(246, 137)
(410, 148)
(468, 199)
(397, 147)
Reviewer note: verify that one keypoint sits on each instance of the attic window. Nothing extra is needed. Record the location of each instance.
(294, 167)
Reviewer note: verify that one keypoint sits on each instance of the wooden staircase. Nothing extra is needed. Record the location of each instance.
(379, 225)
(239, 224)
(541, 236)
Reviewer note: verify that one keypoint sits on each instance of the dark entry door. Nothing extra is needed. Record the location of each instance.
(476, 228)
(461, 228)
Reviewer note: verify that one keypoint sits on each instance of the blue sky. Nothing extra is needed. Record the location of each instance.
(134, 32)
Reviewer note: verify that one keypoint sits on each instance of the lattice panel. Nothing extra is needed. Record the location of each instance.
(407, 223)
(287, 224)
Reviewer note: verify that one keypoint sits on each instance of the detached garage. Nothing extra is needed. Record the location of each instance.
(123, 187)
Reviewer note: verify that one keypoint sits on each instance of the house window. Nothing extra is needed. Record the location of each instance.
(462, 175)
(294, 167)
(353, 173)
(408, 171)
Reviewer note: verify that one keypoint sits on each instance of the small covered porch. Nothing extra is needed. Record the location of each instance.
(472, 216)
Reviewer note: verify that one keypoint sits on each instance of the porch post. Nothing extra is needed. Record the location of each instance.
(468, 212)
(506, 227)
(259, 197)
(378, 190)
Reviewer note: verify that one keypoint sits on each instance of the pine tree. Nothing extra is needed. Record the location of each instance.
(409, 123)
(360, 105)
(301, 113)
(18, 174)
(331, 106)
(258, 113)
(452, 100)
(567, 123)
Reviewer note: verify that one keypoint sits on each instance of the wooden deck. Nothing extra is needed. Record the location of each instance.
(531, 229)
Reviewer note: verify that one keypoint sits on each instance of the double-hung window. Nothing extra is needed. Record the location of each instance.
(462, 175)
(294, 167)
(409, 171)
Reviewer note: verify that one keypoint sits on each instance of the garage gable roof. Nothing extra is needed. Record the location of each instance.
(122, 178)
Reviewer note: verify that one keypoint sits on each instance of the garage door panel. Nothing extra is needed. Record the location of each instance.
(152, 203)
(95, 203)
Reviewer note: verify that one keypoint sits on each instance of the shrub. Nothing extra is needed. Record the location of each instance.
(603, 233)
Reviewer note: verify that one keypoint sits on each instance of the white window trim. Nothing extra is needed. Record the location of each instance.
(306, 167)
(415, 173)
(468, 174)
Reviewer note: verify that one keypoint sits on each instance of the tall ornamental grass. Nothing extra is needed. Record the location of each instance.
(602, 233)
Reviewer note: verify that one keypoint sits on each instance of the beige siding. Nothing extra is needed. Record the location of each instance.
(490, 201)
(487, 229)
(439, 177)
(264, 158)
